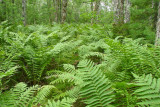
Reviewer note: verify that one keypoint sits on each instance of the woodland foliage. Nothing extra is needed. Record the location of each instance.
(79, 53)
(76, 65)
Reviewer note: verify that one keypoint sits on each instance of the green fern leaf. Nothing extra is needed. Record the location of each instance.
(66, 102)
(148, 92)
(97, 91)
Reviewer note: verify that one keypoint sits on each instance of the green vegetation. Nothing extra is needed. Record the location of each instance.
(54, 56)
(76, 65)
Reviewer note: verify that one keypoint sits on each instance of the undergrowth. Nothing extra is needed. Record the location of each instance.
(74, 65)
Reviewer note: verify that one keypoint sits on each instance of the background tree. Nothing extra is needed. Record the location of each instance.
(56, 6)
(127, 11)
(64, 11)
(24, 14)
(158, 27)
(79, 53)
(141, 15)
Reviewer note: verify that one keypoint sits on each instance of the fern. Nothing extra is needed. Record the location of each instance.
(72, 76)
(69, 68)
(19, 96)
(64, 47)
(8, 73)
(44, 93)
(97, 91)
(148, 92)
(66, 102)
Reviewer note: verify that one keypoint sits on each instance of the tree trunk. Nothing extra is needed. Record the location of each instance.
(49, 12)
(4, 13)
(95, 11)
(24, 12)
(155, 7)
(77, 14)
(127, 11)
(119, 11)
(60, 10)
(115, 9)
(13, 13)
(56, 10)
(157, 42)
(97, 4)
(92, 12)
(64, 11)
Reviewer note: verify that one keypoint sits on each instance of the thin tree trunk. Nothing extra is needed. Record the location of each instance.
(56, 10)
(157, 42)
(4, 13)
(35, 6)
(1, 14)
(153, 3)
(155, 7)
(119, 11)
(92, 12)
(24, 12)
(127, 11)
(115, 9)
(97, 4)
(60, 10)
(49, 12)
(64, 11)
(77, 14)
(13, 13)
(96, 9)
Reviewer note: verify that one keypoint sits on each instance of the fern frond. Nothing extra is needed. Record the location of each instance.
(67, 77)
(97, 89)
(148, 92)
(97, 54)
(8, 72)
(26, 96)
(44, 93)
(64, 47)
(19, 96)
(74, 92)
(66, 102)
(69, 68)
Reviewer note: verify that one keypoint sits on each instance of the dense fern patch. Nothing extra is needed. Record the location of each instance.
(76, 66)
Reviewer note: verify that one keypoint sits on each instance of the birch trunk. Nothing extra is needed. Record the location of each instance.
(157, 42)
(119, 11)
(97, 4)
(115, 9)
(127, 11)
(92, 11)
(95, 11)
(64, 11)
(24, 12)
